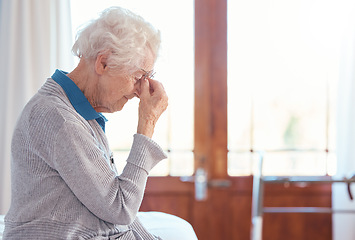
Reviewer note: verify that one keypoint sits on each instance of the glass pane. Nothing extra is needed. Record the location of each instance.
(174, 68)
(182, 163)
(240, 163)
(286, 163)
(282, 77)
(283, 119)
(295, 163)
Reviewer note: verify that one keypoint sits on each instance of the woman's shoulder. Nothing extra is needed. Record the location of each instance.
(48, 111)
(49, 107)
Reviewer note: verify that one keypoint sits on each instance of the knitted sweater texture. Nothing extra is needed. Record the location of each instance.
(63, 184)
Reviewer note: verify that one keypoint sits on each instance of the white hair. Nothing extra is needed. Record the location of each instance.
(123, 35)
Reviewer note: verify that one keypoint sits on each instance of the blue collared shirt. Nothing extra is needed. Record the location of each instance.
(78, 99)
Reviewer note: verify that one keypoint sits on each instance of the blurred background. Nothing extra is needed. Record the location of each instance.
(243, 77)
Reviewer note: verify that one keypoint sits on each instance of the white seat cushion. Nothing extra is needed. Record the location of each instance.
(2, 225)
(167, 226)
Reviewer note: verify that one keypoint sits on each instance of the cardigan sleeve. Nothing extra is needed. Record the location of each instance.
(84, 167)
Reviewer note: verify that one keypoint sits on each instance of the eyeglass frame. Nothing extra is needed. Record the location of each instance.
(147, 74)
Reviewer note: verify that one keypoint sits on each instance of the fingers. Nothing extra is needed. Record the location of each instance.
(144, 89)
(149, 86)
(153, 102)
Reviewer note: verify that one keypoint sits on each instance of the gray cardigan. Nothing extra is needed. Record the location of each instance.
(63, 185)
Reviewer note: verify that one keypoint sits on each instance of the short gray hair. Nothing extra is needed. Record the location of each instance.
(123, 35)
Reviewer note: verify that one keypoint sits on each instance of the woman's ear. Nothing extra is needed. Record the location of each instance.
(101, 64)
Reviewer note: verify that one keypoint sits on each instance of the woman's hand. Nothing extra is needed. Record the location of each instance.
(153, 102)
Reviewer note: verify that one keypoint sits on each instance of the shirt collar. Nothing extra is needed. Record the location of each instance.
(77, 98)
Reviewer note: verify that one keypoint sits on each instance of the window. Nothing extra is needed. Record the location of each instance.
(282, 79)
(174, 68)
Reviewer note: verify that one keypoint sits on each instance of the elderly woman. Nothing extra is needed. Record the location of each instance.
(64, 183)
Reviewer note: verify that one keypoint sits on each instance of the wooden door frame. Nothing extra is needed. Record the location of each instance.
(211, 87)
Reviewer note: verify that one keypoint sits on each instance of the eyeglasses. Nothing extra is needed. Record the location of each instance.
(147, 74)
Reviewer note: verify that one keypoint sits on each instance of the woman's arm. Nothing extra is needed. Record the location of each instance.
(85, 169)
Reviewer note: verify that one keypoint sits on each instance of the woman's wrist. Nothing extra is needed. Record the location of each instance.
(146, 128)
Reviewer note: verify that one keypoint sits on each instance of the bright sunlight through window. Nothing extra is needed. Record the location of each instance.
(282, 80)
